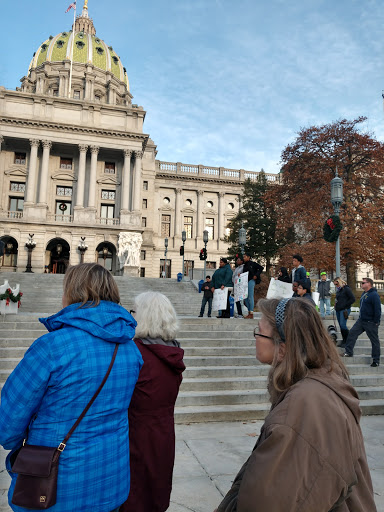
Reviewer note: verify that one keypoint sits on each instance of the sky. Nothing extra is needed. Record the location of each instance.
(225, 83)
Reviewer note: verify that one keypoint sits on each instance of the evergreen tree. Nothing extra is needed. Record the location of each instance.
(258, 217)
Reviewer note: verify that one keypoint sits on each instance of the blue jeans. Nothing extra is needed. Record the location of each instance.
(372, 331)
(203, 303)
(340, 318)
(325, 304)
(250, 300)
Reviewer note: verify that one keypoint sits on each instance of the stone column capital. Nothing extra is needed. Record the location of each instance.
(95, 150)
(138, 154)
(35, 143)
(83, 148)
(221, 194)
(200, 192)
(47, 144)
(178, 190)
(128, 153)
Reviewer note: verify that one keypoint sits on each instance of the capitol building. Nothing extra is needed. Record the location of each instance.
(78, 171)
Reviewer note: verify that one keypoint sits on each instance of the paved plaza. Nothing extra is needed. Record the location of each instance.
(208, 456)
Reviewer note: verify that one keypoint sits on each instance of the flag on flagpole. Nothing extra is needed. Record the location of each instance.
(72, 6)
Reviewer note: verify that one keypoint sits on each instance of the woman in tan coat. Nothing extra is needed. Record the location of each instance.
(310, 455)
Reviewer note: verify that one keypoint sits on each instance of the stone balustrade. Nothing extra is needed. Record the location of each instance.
(217, 172)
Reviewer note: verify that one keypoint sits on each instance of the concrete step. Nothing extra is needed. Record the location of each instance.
(236, 397)
(195, 414)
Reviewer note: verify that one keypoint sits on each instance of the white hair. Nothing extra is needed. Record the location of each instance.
(155, 317)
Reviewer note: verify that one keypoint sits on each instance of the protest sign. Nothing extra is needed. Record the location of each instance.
(240, 288)
(220, 299)
(279, 290)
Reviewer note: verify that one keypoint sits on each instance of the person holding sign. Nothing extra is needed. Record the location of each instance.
(222, 278)
(254, 271)
(236, 273)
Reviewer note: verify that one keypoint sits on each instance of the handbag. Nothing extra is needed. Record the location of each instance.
(37, 467)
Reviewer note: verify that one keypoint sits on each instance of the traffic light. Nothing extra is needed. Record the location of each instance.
(181, 250)
(203, 254)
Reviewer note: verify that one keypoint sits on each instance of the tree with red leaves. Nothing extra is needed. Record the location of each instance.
(303, 197)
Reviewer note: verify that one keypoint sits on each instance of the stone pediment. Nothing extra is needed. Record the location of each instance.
(108, 180)
(210, 211)
(18, 171)
(166, 209)
(64, 176)
(188, 209)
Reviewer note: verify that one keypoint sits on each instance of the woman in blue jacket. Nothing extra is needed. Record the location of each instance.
(56, 379)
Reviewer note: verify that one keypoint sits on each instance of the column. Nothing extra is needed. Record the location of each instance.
(1, 141)
(199, 216)
(92, 179)
(126, 180)
(137, 182)
(177, 212)
(221, 216)
(81, 175)
(47, 144)
(31, 183)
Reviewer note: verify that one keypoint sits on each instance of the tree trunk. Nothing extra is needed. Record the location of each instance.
(351, 275)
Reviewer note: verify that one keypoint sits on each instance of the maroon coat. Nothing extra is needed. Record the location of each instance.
(152, 428)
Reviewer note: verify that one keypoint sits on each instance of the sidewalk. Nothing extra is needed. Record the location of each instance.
(208, 456)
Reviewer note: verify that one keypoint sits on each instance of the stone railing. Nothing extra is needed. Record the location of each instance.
(214, 172)
(66, 219)
(108, 221)
(11, 215)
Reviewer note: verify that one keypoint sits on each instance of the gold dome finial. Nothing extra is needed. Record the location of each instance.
(86, 4)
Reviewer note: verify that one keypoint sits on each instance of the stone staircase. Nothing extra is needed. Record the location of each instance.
(223, 380)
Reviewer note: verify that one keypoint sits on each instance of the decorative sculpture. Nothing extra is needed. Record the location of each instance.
(129, 248)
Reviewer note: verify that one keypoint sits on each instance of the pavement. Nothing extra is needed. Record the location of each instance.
(208, 456)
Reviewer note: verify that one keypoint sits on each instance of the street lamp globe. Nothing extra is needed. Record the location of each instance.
(166, 242)
(183, 236)
(337, 193)
(205, 236)
(242, 236)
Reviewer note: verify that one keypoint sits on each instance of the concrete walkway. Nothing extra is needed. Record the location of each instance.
(208, 456)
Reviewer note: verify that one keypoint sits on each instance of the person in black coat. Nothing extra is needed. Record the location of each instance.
(343, 302)
(283, 275)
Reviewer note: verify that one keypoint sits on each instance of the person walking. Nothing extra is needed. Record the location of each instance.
(254, 271)
(324, 290)
(343, 302)
(368, 321)
(298, 271)
(207, 297)
(310, 454)
(222, 278)
(56, 379)
(151, 412)
(238, 270)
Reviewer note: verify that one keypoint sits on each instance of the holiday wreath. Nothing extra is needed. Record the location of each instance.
(9, 296)
(332, 228)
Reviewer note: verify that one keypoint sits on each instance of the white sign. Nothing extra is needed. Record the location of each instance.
(316, 297)
(241, 287)
(279, 290)
(220, 299)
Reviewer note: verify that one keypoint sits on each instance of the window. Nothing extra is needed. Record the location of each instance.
(378, 274)
(211, 265)
(210, 227)
(143, 222)
(65, 163)
(63, 208)
(145, 204)
(55, 92)
(17, 187)
(143, 255)
(188, 223)
(209, 204)
(145, 185)
(142, 272)
(110, 195)
(107, 213)
(16, 204)
(20, 158)
(60, 43)
(166, 200)
(227, 231)
(231, 206)
(188, 202)
(99, 50)
(64, 191)
(80, 44)
(165, 225)
(109, 168)
(97, 98)
(76, 95)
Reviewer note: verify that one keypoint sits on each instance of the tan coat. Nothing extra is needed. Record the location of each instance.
(310, 455)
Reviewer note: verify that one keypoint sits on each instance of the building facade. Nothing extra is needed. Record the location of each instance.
(75, 162)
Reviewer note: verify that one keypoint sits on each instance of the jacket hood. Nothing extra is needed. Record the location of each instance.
(341, 386)
(107, 321)
(171, 356)
(284, 271)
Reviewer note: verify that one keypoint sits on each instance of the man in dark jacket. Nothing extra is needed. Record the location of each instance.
(254, 271)
(222, 278)
(368, 321)
(208, 296)
(324, 289)
(298, 271)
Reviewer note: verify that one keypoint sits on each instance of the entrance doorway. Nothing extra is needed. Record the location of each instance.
(167, 272)
(58, 252)
(106, 256)
(188, 267)
(9, 258)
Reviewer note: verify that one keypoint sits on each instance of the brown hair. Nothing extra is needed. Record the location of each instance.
(307, 343)
(339, 281)
(89, 282)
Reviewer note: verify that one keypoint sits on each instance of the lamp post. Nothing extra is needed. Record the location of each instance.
(242, 238)
(30, 244)
(165, 256)
(205, 240)
(337, 199)
(82, 248)
(183, 239)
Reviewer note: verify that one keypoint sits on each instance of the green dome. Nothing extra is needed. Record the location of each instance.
(88, 49)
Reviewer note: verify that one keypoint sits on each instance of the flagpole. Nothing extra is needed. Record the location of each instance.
(73, 45)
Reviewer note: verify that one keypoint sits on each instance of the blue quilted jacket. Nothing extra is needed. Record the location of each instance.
(51, 386)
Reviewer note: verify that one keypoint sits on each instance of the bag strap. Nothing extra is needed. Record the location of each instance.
(76, 424)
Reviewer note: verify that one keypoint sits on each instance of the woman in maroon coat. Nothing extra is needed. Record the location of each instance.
(151, 412)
